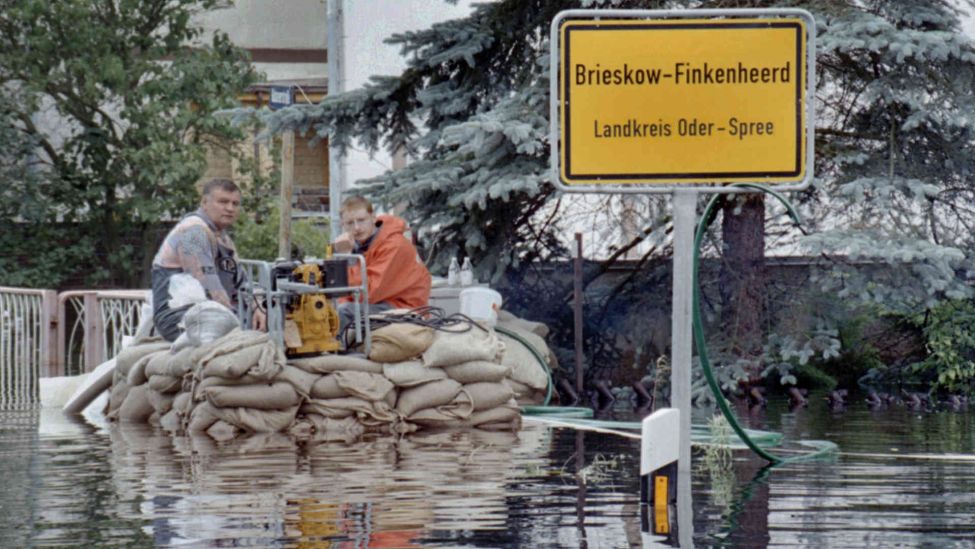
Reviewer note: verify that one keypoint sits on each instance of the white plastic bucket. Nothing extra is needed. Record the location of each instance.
(481, 304)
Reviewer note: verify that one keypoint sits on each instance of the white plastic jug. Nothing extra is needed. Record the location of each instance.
(481, 304)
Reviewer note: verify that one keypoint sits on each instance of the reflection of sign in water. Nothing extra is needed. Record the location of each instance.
(682, 100)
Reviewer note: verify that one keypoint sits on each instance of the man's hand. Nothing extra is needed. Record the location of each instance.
(259, 320)
(343, 244)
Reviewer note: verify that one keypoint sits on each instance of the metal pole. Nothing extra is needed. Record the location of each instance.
(685, 212)
(287, 190)
(335, 21)
(577, 311)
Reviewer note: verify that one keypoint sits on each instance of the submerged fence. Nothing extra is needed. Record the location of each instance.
(27, 336)
(44, 334)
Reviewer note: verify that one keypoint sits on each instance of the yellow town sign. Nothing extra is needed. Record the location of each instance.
(682, 101)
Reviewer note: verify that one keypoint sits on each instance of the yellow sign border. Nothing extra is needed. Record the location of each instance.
(799, 173)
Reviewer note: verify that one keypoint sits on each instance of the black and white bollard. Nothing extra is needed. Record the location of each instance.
(659, 453)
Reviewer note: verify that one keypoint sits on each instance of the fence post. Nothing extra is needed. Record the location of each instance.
(94, 332)
(51, 364)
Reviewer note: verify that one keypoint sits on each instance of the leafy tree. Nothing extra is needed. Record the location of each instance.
(119, 107)
(894, 162)
(258, 239)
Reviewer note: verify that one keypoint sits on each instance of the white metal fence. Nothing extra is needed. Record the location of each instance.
(98, 321)
(43, 334)
(26, 342)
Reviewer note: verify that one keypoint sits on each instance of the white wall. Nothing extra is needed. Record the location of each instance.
(295, 24)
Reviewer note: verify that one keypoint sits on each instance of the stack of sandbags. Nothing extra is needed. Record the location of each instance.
(128, 400)
(236, 387)
(458, 382)
(165, 376)
(464, 375)
(348, 395)
(528, 356)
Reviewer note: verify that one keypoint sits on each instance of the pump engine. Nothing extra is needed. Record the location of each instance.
(311, 322)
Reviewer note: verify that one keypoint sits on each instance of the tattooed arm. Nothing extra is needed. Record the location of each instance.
(196, 255)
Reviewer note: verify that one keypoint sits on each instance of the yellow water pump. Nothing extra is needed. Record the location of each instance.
(311, 321)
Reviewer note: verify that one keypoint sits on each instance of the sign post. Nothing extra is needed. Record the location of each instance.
(681, 102)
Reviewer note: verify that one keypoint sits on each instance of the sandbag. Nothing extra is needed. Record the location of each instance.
(235, 339)
(525, 367)
(200, 386)
(525, 394)
(327, 386)
(274, 396)
(257, 421)
(400, 341)
(327, 364)
(508, 413)
(489, 395)
(337, 408)
(183, 404)
(463, 343)
(173, 364)
(171, 421)
(128, 356)
(240, 352)
(161, 403)
(202, 417)
(136, 407)
(137, 373)
(165, 384)
(447, 415)
(301, 380)
(204, 322)
(324, 408)
(511, 322)
(325, 429)
(120, 379)
(364, 385)
(428, 395)
(116, 396)
(411, 373)
(477, 370)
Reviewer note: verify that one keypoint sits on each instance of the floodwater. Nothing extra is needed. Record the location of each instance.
(903, 478)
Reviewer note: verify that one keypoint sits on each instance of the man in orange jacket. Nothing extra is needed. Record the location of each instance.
(397, 277)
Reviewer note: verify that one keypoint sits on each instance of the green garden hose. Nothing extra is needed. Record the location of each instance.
(755, 440)
(824, 447)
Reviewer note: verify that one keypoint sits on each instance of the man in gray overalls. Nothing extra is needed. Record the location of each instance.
(200, 246)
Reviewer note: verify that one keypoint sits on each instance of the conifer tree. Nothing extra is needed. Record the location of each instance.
(893, 152)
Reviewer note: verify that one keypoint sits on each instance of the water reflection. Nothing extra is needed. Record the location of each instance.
(67, 483)
(265, 489)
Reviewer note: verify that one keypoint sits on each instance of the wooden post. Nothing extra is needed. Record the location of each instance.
(50, 365)
(287, 190)
(94, 332)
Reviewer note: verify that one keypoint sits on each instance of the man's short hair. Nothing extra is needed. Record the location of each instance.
(224, 185)
(354, 203)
